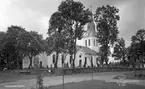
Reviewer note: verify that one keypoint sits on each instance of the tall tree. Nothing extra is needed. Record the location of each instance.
(8, 46)
(70, 19)
(56, 43)
(106, 19)
(120, 51)
(2, 35)
(29, 44)
(139, 38)
(134, 54)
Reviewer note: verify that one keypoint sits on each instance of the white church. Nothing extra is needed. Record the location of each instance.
(86, 56)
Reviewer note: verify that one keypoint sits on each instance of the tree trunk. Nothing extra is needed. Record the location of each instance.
(142, 65)
(18, 63)
(56, 60)
(124, 62)
(102, 61)
(30, 65)
(92, 62)
(74, 54)
(106, 55)
(106, 61)
(7, 61)
(71, 60)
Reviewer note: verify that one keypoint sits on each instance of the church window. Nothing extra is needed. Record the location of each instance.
(86, 42)
(89, 42)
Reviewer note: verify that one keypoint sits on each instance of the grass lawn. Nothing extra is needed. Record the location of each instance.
(96, 84)
(131, 76)
(12, 76)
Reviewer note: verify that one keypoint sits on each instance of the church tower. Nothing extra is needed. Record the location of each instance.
(90, 39)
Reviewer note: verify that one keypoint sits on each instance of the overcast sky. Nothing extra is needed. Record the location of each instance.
(35, 14)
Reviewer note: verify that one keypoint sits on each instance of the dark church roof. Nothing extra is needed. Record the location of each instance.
(87, 50)
(91, 31)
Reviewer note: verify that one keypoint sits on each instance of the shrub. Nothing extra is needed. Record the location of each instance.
(39, 84)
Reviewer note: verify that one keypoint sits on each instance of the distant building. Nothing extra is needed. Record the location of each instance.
(86, 56)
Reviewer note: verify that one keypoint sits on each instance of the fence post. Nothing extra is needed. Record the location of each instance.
(63, 75)
(92, 73)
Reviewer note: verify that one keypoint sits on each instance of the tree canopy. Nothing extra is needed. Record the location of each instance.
(106, 19)
(29, 44)
(69, 21)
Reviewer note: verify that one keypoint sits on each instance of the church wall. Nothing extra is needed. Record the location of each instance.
(88, 61)
(26, 62)
(44, 58)
(48, 60)
(95, 61)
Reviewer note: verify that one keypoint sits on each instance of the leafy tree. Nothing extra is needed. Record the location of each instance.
(70, 20)
(56, 43)
(106, 19)
(120, 51)
(134, 54)
(8, 48)
(29, 44)
(2, 35)
(139, 40)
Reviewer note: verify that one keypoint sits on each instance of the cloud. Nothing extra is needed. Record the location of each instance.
(4, 5)
(44, 25)
(131, 19)
(26, 13)
(35, 14)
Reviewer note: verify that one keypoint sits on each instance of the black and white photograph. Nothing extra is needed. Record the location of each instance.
(72, 44)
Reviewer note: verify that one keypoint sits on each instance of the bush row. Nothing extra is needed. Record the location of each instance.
(68, 71)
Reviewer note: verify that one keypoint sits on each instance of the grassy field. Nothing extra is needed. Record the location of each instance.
(14, 75)
(96, 84)
(131, 76)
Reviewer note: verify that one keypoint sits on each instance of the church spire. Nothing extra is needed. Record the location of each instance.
(91, 16)
(91, 31)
